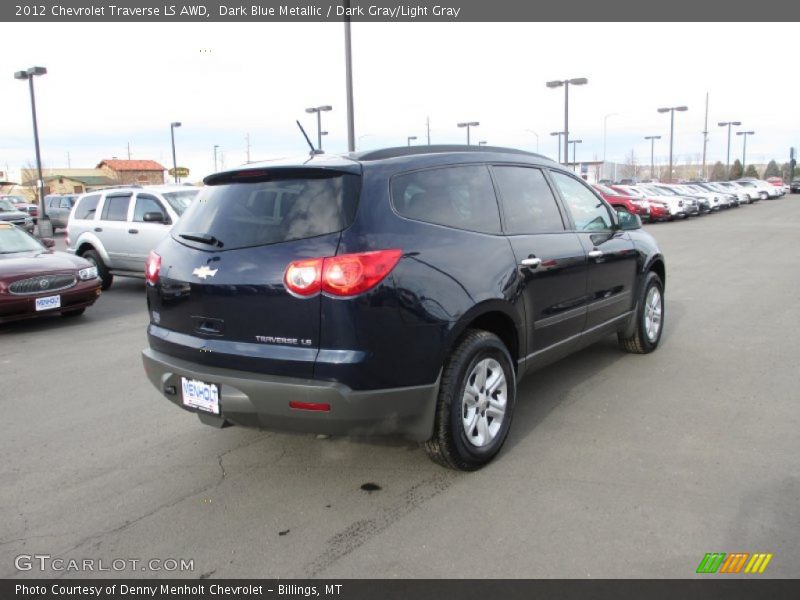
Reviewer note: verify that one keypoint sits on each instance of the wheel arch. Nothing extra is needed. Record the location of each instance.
(497, 317)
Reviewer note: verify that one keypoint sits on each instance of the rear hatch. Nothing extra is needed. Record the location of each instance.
(220, 297)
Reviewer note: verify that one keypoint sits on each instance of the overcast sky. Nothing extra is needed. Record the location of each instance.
(109, 85)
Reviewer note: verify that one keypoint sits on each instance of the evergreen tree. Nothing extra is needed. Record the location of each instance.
(751, 172)
(772, 170)
(718, 172)
(736, 170)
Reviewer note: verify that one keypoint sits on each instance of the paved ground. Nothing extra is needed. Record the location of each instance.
(616, 466)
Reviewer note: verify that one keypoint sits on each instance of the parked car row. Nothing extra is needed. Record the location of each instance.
(654, 201)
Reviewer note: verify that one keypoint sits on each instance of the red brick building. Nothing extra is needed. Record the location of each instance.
(128, 172)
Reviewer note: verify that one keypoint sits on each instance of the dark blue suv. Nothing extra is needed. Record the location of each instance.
(400, 291)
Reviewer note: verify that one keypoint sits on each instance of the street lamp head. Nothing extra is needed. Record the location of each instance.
(576, 141)
(579, 81)
(736, 123)
(469, 124)
(412, 137)
(33, 71)
(21, 75)
(554, 84)
(663, 110)
(482, 143)
(745, 132)
(652, 137)
(325, 108)
(681, 108)
(175, 124)
(311, 110)
(557, 133)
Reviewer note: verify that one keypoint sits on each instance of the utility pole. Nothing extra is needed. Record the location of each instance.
(129, 150)
(705, 140)
(348, 59)
(69, 163)
(428, 127)
(247, 139)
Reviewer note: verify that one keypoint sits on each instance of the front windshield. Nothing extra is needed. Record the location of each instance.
(180, 201)
(15, 240)
(606, 190)
(5, 205)
(664, 191)
(631, 191)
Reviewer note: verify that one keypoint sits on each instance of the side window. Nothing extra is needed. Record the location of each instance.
(528, 203)
(65, 203)
(588, 211)
(87, 206)
(53, 202)
(146, 204)
(459, 197)
(116, 208)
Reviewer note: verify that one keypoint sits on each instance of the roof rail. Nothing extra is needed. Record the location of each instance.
(383, 153)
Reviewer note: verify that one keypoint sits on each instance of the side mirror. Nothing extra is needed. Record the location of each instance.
(154, 217)
(48, 242)
(628, 221)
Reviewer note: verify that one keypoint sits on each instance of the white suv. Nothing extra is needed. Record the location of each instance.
(115, 228)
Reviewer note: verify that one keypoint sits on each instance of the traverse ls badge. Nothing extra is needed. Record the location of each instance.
(204, 272)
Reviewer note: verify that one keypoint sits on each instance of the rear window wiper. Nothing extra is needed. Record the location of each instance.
(203, 238)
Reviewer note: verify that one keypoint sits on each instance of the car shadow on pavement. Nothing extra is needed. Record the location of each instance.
(546, 390)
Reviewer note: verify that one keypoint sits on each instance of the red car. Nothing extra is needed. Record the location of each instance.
(658, 210)
(648, 210)
(36, 281)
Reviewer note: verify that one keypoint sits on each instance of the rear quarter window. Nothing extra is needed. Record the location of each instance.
(86, 207)
(460, 197)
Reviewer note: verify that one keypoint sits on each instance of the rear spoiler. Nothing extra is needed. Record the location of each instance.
(259, 174)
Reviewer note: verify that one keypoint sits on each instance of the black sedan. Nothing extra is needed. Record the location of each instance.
(36, 281)
(794, 187)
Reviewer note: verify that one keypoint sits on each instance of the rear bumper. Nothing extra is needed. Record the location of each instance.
(262, 401)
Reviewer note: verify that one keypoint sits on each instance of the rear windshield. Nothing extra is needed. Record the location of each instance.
(238, 215)
(180, 201)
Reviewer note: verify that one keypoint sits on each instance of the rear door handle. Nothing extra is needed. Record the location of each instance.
(531, 262)
(98, 229)
(595, 253)
(133, 231)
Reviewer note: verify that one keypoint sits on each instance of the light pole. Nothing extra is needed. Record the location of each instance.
(728, 160)
(215, 157)
(744, 148)
(45, 228)
(410, 138)
(671, 110)
(574, 144)
(172, 127)
(605, 127)
(319, 110)
(652, 139)
(566, 83)
(537, 138)
(468, 125)
(559, 134)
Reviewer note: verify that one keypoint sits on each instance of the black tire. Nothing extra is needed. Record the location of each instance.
(105, 277)
(73, 313)
(639, 342)
(450, 445)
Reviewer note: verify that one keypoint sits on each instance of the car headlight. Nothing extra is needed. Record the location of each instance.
(88, 273)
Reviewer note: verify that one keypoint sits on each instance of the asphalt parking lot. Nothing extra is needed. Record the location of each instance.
(616, 466)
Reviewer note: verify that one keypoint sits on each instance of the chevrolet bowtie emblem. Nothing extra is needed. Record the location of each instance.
(204, 272)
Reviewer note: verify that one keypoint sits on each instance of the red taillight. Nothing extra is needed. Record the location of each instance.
(304, 277)
(344, 275)
(152, 268)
